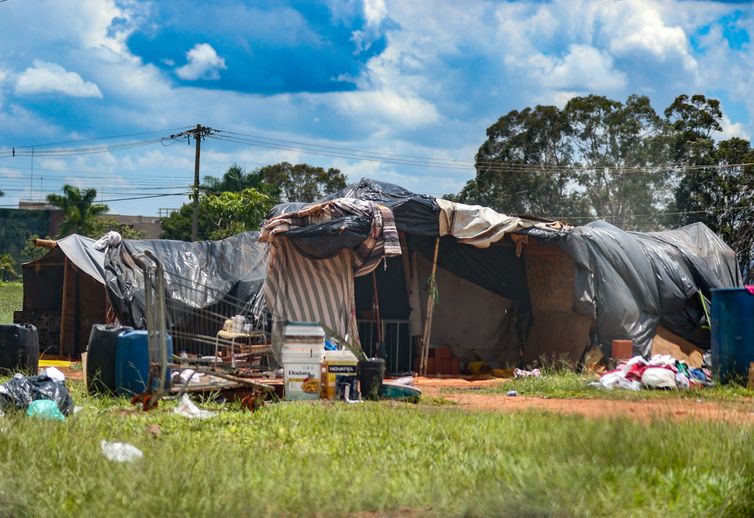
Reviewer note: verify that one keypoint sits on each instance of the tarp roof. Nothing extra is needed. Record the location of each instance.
(629, 282)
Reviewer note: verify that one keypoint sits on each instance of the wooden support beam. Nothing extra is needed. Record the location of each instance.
(64, 307)
(426, 335)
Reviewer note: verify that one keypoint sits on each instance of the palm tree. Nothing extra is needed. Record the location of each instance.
(79, 208)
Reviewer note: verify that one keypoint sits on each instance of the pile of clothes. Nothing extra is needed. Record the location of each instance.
(661, 371)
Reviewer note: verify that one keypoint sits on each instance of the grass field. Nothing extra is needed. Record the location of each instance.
(11, 299)
(327, 459)
(377, 459)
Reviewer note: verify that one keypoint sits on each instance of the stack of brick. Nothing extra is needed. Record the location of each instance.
(441, 361)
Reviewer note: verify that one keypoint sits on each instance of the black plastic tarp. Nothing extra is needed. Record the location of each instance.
(415, 214)
(205, 282)
(630, 282)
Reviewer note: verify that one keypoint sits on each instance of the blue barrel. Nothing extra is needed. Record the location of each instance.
(732, 332)
(132, 362)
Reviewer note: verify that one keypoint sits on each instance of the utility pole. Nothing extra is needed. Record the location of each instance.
(195, 213)
(198, 134)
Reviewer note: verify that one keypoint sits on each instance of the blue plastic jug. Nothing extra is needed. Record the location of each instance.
(132, 363)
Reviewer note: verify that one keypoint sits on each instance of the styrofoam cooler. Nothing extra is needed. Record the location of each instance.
(302, 355)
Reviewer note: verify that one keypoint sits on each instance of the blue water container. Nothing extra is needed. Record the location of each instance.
(132, 362)
(732, 332)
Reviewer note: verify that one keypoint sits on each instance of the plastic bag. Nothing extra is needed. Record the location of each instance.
(659, 377)
(187, 408)
(45, 409)
(20, 391)
(120, 451)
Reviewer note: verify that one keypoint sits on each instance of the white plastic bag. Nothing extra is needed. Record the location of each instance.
(187, 408)
(658, 377)
(54, 374)
(120, 451)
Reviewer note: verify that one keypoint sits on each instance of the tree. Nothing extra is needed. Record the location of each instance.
(104, 224)
(235, 179)
(220, 215)
(713, 187)
(578, 161)
(79, 210)
(301, 182)
(521, 167)
(620, 152)
(8, 268)
(283, 181)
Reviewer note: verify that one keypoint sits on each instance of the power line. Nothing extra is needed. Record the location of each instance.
(107, 137)
(408, 160)
(125, 199)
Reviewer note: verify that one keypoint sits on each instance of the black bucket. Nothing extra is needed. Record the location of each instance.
(371, 374)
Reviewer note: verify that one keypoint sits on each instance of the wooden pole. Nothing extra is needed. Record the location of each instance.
(63, 307)
(376, 306)
(195, 210)
(428, 317)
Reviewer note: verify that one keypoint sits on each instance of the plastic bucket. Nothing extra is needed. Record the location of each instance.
(371, 374)
(732, 332)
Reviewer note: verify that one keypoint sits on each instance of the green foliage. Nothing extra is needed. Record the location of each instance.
(79, 209)
(31, 252)
(104, 224)
(575, 162)
(234, 212)
(623, 162)
(11, 299)
(301, 182)
(240, 200)
(721, 197)
(7, 268)
(220, 215)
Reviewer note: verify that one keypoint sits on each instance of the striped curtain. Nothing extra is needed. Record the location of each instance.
(300, 289)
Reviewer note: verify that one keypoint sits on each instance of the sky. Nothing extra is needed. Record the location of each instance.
(400, 91)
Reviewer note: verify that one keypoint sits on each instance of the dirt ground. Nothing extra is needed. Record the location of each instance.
(644, 411)
(592, 408)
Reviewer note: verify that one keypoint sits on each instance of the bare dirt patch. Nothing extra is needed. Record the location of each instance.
(600, 408)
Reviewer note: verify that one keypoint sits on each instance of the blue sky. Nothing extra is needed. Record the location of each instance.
(412, 79)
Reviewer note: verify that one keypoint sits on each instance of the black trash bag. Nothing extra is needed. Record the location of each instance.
(21, 390)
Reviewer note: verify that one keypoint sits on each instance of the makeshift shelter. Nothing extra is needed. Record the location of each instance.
(64, 295)
(205, 283)
(75, 286)
(491, 287)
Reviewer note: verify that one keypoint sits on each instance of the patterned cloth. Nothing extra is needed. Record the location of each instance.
(382, 241)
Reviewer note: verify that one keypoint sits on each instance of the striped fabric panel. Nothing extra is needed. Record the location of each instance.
(302, 289)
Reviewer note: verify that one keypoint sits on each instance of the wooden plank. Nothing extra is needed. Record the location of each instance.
(64, 307)
(426, 335)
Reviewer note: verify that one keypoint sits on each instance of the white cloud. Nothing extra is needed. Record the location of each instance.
(732, 129)
(583, 68)
(44, 77)
(374, 12)
(203, 63)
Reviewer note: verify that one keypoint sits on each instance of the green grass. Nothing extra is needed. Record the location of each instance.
(11, 299)
(571, 385)
(326, 459)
